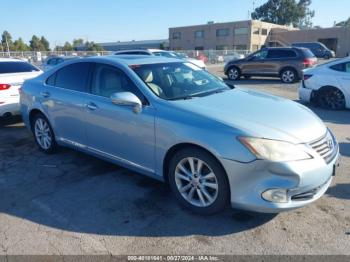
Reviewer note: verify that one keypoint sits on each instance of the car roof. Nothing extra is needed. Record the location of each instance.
(130, 60)
(133, 50)
(11, 60)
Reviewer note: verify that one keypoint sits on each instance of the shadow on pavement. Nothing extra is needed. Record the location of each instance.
(258, 81)
(75, 192)
(341, 191)
(345, 149)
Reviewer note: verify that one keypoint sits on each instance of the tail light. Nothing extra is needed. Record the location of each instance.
(4, 86)
(306, 77)
(309, 62)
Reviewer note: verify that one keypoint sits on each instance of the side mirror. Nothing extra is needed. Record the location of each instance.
(127, 99)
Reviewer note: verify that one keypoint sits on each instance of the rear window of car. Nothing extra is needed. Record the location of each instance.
(16, 67)
(307, 53)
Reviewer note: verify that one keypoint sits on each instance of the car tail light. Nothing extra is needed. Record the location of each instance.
(4, 86)
(306, 77)
(309, 62)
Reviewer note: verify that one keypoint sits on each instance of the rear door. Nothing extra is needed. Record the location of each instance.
(64, 101)
(278, 59)
(342, 72)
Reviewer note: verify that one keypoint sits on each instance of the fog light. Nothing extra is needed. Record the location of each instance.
(276, 195)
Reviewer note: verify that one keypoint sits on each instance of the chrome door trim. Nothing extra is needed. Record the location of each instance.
(102, 153)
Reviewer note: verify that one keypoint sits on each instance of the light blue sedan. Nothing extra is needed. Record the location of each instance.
(165, 118)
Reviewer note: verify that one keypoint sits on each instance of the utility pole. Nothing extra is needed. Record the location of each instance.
(7, 45)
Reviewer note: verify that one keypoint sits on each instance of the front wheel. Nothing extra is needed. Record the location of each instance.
(233, 73)
(288, 76)
(198, 181)
(43, 133)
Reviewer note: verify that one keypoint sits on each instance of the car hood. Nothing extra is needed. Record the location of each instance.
(258, 114)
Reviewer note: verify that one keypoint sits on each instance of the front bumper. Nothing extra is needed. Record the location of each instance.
(305, 181)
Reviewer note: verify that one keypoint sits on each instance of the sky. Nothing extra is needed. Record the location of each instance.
(120, 20)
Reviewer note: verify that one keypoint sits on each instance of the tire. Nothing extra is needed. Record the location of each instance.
(330, 98)
(289, 75)
(43, 134)
(327, 57)
(205, 192)
(233, 73)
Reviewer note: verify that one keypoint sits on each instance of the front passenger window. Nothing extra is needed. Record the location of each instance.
(108, 80)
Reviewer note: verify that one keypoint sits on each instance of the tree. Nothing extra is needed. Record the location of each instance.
(77, 42)
(36, 44)
(6, 41)
(45, 44)
(344, 23)
(285, 12)
(91, 46)
(67, 47)
(19, 45)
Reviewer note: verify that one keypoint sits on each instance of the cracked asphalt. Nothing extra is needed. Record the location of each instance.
(73, 204)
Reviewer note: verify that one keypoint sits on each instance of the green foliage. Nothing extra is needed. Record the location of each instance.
(91, 46)
(77, 42)
(285, 12)
(19, 45)
(344, 23)
(6, 41)
(45, 44)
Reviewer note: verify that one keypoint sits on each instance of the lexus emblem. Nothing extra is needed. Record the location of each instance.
(330, 144)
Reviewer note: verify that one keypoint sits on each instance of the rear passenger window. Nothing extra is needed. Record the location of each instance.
(281, 54)
(343, 67)
(16, 67)
(51, 80)
(73, 77)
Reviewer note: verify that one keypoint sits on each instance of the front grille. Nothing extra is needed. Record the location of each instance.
(326, 147)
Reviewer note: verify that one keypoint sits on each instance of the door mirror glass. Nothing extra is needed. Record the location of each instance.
(127, 99)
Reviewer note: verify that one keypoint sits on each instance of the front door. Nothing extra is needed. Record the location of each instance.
(117, 131)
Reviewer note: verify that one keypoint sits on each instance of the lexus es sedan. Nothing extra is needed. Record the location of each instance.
(168, 119)
(327, 85)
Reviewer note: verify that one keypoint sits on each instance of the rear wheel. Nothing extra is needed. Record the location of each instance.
(330, 98)
(43, 134)
(234, 73)
(288, 76)
(198, 181)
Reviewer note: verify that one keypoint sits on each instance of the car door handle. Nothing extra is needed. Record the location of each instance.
(91, 106)
(45, 94)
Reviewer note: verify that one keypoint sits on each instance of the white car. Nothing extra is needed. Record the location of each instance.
(13, 72)
(327, 85)
(159, 52)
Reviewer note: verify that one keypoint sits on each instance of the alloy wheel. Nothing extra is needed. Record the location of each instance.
(196, 182)
(331, 98)
(43, 134)
(288, 76)
(233, 73)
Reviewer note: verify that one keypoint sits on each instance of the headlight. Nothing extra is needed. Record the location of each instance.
(274, 150)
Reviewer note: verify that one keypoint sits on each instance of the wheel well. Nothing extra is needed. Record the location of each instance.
(179, 147)
(32, 114)
(290, 68)
(232, 66)
(325, 88)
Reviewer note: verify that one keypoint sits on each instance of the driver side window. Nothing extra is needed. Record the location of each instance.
(108, 80)
(260, 55)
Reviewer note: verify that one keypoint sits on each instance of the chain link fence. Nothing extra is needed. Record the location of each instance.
(209, 57)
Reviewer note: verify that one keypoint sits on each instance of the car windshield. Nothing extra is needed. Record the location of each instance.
(174, 81)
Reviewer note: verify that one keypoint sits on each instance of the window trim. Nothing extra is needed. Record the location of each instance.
(226, 29)
(92, 76)
(72, 90)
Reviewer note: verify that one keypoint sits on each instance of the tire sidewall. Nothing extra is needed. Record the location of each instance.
(222, 199)
(294, 72)
(53, 147)
(238, 71)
